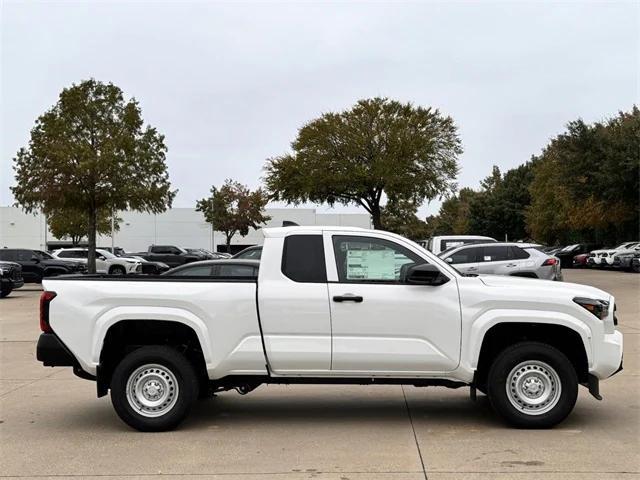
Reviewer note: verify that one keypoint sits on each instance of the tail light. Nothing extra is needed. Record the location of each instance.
(550, 262)
(45, 300)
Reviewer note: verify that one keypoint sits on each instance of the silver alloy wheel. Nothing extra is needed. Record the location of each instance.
(152, 390)
(533, 387)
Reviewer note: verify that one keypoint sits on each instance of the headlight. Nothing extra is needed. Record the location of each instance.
(600, 308)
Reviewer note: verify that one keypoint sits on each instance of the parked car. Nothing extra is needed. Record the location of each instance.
(624, 258)
(249, 253)
(117, 251)
(439, 244)
(147, 267)
(169, 254)
(580, 261)
(106, 262)
(332, 305)
(206, 254)
(566, 254)
(10, 278)
(227, 268)
(515, 259)
(604, 257)
(37, 264)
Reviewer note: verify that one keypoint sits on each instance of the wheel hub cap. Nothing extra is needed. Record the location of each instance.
(533, 387)
(152, 390)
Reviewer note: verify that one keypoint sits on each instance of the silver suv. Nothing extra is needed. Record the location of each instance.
(517, 259)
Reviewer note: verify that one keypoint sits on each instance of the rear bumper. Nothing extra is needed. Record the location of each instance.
(53, 353)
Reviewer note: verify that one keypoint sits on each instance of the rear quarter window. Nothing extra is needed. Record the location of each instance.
(303, 259)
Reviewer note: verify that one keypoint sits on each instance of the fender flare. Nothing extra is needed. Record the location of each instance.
(489, 319)
(128, 313)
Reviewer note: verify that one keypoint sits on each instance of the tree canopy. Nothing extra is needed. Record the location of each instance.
(587, 181)
(583, 187)
(72, 224)
(234, 208)
(379, 147)
(90, 152)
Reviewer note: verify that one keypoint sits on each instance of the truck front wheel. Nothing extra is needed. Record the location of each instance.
(153, 388)
(532, 385)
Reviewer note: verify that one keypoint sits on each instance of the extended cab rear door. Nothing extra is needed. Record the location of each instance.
(293, 304)
(380, 324)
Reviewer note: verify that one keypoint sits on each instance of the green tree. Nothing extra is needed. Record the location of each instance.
(377, 148)
(586, 184)
(233, 208)
(72, 224)
(90, 152)
(498, 209)
(454, 215)
(401, 217)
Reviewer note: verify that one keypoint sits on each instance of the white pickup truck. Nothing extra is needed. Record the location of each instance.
(331, 305)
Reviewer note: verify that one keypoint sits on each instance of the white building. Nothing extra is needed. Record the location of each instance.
(179, 226)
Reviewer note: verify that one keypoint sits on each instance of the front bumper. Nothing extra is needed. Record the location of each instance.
(608, 358)
(11, 283)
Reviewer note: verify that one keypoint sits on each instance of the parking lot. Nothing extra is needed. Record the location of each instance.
(51, 424)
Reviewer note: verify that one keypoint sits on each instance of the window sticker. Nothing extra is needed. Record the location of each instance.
(487, 258)
(372, 265)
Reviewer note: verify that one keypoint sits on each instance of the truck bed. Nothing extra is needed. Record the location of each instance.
(222, 312)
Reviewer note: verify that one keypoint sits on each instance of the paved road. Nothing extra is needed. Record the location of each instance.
(51, 424)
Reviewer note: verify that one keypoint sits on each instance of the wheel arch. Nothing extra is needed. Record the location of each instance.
(567, 339)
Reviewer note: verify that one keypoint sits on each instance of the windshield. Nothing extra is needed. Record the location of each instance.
(43, 255)
(569, 248)
(106, 254)
(624, 245)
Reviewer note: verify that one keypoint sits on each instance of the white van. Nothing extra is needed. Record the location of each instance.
(437, 245)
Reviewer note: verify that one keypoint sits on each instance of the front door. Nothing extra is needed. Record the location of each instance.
(466, 259)
(380, 324)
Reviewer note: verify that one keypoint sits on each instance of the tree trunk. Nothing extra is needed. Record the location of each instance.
(91, 237)
(376, 216)
(229, 237)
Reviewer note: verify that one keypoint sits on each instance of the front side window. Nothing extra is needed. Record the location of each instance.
(466, 255)
(25, 255)
(369, 259)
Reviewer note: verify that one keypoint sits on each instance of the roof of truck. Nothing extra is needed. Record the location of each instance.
(282, 231)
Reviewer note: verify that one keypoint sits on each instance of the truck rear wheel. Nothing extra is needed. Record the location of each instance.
(532, 385)
(153, 388)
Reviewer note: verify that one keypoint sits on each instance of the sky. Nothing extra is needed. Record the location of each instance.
(230, 83)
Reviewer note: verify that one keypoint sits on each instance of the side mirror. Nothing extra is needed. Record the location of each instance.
(449, 260)
(101, 257)
(425, 274)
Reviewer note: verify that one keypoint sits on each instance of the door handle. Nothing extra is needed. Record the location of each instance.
(511, 265)
(349, 297)
(472, 269)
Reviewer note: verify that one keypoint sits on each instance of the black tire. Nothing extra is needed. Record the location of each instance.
(5, 292)
(168, 360)
(537, 356)
(117, 270)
